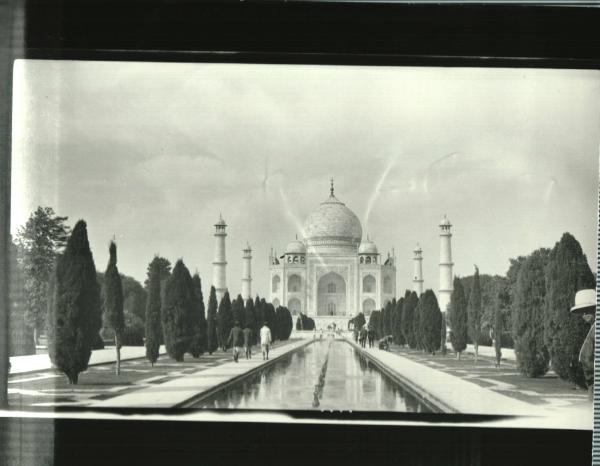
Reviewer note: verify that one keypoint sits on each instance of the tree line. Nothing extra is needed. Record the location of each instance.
(73, 302)
(529, 309)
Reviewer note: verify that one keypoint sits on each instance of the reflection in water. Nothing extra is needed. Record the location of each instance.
(350, 382)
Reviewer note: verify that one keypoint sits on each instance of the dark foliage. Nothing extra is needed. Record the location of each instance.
(284, 323)
(224, 320)
(430, 322)
(408, 317)
(198, 344)
(176, 312)
(528, 316)
(567, 272)
(212, 339)
(458, 317)
(75, 306)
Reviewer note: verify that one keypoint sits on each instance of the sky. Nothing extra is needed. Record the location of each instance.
(152, 153)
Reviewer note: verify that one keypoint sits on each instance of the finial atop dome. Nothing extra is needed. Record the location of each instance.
(331, 189)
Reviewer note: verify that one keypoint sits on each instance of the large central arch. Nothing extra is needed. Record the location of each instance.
(331, 295)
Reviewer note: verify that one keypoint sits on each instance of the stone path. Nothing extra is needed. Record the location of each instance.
(482, 388)
(40, 362)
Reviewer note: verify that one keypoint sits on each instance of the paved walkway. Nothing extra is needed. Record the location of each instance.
(488, 351)
(41, 362)
(177, 392)
(480, 388)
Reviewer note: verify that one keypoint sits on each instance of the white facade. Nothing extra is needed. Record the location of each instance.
(331, 274)
(446, 264)
(247, 273)
(220, 262)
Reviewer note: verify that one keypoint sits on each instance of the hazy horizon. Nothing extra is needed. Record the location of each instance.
(152, 153)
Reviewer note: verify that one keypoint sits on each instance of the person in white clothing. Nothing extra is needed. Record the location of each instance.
(265, 340)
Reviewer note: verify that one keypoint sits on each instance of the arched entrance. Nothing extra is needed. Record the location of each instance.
(368, 307)
(295, 306)
(331, 295)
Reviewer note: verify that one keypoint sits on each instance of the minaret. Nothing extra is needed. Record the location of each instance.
(220, 263)
(246, 273)
(418, 272)
(446, 264)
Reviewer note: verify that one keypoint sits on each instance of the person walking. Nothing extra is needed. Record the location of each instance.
(585, 306)
(265, 340)
(371, 336)
(236, 338)
(247, 342)
(363, 336)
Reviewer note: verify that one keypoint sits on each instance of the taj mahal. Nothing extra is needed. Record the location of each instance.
(332, 273)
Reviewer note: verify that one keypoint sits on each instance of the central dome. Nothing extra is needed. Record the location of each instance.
(332, 222)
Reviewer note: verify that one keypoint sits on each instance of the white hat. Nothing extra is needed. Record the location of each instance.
(585, 301)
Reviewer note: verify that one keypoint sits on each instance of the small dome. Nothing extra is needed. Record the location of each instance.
(367, 247)
(445, 222)
(221, 222)
(295, 247)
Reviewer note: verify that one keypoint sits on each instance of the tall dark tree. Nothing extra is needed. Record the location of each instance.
(458, 318)
(567, 272)
(498, 329)
(358, 321)
(388, 316)
(237, 309)
(198, 344)
(224, 320)
(153, 325)
(113, 301)
(212, 339)
(474, 313)
(250, 320)
(39, 242)
(443, 334)
(271, 318)
(528, 316)
(416, 325)
(397, 323)
(177, 310)
(430, 322)
(259, 313)
(284, 323)
(375, 323)
(75, 311)
(408, 316)
(162, 265)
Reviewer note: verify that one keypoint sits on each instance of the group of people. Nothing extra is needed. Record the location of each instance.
(239, 338)
(365, 335)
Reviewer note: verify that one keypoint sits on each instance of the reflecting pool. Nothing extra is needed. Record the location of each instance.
(324, 375)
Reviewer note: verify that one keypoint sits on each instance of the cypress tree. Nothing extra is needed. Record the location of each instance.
(458, 318)
(498, 328)
(528, 316)
(375, 323)
(567, 272)
(224, 320)
(388, 316)
(259, 314)
(271, 318)
(416, 325)
(397, 327)
(198, 319)
(211, 322)
(408, 316)
(153, 317)
(430, 322)
(237, 309)
(113, 301)
(474, 313)
(75, 308)
(177, 311)
(250, 319)
(284, 322)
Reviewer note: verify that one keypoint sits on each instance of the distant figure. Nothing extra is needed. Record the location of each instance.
(321, 335)
(371, 336)
(265, 340)
(585, 306)
(362, 338)
(247, 342)
(314, 334)
(384, 343)
(236, 338)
